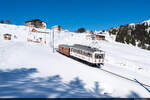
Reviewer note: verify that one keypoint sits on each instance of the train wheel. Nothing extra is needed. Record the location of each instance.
(102, 64)
(98, 65)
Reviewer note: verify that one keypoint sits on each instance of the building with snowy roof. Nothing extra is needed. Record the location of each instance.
(36, 23)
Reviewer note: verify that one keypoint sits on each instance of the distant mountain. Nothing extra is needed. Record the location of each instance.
(135, 34)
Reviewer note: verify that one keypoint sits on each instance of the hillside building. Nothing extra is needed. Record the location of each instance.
(95, 37)
(7, 36)
(37, 23)
(99, 37)
(58, 28)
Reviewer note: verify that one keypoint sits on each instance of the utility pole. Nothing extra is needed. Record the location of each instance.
(53, 40)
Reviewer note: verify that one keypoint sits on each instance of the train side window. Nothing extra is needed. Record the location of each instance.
(86, 54)
(89, 55)
(80, 51)
(83, 52)
(75, 50)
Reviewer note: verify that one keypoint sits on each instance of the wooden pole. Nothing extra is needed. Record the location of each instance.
(53, 40)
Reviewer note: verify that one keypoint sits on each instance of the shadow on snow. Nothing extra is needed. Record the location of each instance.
(18, 83)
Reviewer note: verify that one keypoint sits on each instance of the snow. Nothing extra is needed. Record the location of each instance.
(41, 73)
(132, 25)
(147, 22)
(148, 30)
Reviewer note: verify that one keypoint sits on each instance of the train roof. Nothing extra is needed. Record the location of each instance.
(86, 48)
(7, 34)
(64, 45)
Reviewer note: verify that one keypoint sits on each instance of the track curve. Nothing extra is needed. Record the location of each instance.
(83, 62)
(123, 77)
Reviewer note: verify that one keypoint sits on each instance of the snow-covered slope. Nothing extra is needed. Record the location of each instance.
(122, 59)
(23, 32)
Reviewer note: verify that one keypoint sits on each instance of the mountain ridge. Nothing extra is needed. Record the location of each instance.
(136, 34)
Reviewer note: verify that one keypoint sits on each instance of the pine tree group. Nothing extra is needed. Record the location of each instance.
(129, 35)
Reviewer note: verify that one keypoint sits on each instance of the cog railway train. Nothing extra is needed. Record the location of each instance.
(87, 54)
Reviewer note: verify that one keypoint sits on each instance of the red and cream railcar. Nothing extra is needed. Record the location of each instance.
(64, 49)
(93, 56)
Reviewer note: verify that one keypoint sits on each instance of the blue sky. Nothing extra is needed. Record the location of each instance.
(73, 14)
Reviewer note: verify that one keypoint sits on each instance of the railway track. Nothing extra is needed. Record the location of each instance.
(124, 77)
(112, 73)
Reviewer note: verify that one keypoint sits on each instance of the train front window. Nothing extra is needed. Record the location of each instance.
(98, 56)
(102, 55)
(89, 55)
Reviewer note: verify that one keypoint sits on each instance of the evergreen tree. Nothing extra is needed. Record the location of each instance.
(91, 32)
(127, 39)
(81, 30)
(133, 42)
(139, 44)
(59, 28)
(143, 46)
(148, 47)
(127, 34)
(148, 40)
(103, 30)
(2, 21)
